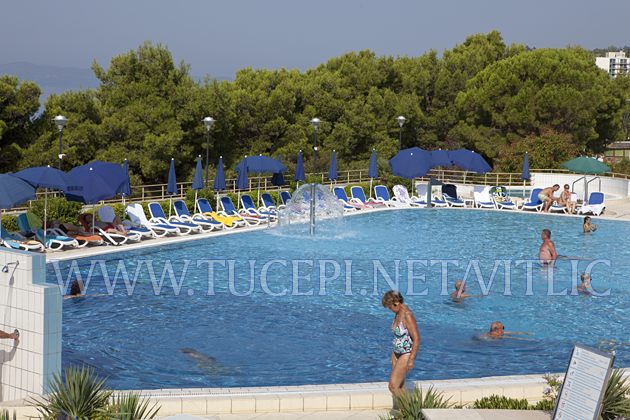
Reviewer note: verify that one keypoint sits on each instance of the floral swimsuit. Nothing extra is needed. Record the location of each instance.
(402, 341)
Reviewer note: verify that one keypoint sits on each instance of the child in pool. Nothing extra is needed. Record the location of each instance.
(588, 227)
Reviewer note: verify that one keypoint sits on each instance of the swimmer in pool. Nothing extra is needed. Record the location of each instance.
(585, 285)
(77, 289)
(459, 295)
(587, 226)
(497, 331)
(547, 252)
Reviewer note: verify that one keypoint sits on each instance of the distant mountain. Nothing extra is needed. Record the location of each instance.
(51, 79)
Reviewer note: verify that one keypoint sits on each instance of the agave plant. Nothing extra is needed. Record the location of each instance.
(79, 394)
(410, 404)
(4, 415)
(130, 406)
(501, 402)
(616, 402)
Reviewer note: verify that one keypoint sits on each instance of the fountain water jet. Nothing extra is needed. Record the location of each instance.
(310, 204)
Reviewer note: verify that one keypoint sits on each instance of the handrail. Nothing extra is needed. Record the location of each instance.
(158, 191)
(588, 182)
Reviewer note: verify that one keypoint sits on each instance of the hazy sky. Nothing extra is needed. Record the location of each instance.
(218, 37)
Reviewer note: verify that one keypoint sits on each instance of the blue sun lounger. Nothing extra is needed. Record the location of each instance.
(248, 205)
(205, 208)
(534, 202)
(183, 215)
(50, 240)
(285, 197)
(230, 210)
(340, 193)
(268, 203)
(358, 196)
(138, 218)
(158, 216)
(449, 194)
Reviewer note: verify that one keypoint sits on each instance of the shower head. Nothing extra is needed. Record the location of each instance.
(5, 269)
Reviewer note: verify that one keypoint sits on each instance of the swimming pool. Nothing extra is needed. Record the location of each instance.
(340, 333)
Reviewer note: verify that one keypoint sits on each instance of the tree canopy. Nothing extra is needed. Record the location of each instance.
(500, 100)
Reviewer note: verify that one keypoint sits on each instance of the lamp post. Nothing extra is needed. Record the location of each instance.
(315, 122)
(401, 121)
(61, 122)
(208, 122)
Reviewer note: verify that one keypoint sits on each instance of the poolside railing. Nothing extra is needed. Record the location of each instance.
(157, 192)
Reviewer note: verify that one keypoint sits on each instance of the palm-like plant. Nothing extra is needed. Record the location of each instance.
(130, 407)
(411, 403)
(79, 394)
(4, 415)
(616, 402)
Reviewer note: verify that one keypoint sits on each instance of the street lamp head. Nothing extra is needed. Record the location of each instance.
(60, 121)
(401, 120)
(208, 122)
(315, 122)
(315, 148)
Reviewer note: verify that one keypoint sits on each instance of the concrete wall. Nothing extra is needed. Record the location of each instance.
(612, 187)
(34, 308)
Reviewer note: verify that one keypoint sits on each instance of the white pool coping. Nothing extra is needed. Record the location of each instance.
(70, 254)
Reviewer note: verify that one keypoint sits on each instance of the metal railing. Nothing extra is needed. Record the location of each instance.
(157, 192)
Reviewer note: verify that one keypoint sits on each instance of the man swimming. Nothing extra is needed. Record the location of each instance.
(546, 196)
(547, 252)
(460, 294)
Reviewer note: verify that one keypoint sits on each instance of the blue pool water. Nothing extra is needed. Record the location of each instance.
(341, 333)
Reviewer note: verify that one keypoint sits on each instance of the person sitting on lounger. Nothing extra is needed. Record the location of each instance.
(115, 226)
(546, 196)
(547, 252)
(587, 226)
(565, 199)
(459, 295)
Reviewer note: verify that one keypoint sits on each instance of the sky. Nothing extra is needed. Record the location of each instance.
(218, 37)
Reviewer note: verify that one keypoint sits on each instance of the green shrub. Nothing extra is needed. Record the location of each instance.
(58, 209)
(499, 402)
(544, 405)
(411, 403)
(130, 407)
(9, 223)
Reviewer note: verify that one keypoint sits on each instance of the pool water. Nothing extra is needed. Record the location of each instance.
(341, 333)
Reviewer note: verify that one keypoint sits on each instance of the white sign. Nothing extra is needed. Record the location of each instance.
(584, 384)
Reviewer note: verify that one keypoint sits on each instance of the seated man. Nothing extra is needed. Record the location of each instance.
(546, 196)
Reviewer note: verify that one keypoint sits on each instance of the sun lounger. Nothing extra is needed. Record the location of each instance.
(402, 196)
(481, 195)
(595, 204)
(107, 215)
(358, 196)
(50, 240)
(285, 197)
(502, 201)
(83, 238)
(183, 215)
(382, 194)
(422, 191)
(268, 203)
(230, 222)
(138, 218)
(340, 193)
(449, 193)
(158, 216)
(17, 241)
(534, 202)
(230, 210)
(248, 206)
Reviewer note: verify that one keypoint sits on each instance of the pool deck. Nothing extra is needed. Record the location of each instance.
(335, 401)
(618, 209)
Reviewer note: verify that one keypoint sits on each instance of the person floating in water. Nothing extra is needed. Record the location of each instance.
(587, 226)
(406, 340)
(459, 295)
(547, 252)
(497, 331)
(585, 284)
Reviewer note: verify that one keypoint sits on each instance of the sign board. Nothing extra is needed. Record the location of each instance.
(584, 384)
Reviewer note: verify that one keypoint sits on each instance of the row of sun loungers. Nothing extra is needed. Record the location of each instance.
(139, 226)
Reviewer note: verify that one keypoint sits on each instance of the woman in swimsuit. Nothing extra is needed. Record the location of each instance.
(406, 340)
